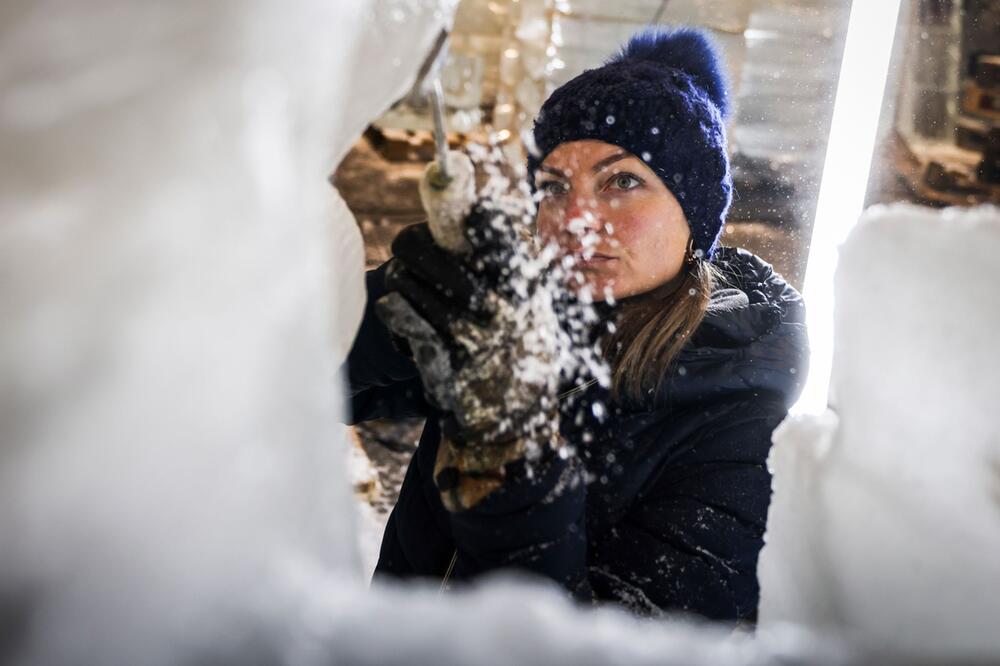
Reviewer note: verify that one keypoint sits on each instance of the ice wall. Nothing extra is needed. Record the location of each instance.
(885, 522)
(179, 286)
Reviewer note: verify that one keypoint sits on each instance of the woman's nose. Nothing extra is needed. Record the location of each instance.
(581, 216)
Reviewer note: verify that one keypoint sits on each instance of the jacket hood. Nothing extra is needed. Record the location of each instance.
(753, 337)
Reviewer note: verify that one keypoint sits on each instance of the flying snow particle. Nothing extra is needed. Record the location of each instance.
(598, 409)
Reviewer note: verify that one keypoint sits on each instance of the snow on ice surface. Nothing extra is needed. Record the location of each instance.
(885, 522)
(179, 287)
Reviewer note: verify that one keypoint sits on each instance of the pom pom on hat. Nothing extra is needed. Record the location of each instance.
(685, 49)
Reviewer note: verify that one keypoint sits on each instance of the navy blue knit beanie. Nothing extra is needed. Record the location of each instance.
(663, 98)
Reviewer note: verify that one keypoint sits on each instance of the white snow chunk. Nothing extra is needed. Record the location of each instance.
(885, 522)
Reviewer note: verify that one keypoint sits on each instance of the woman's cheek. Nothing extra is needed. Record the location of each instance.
(627, 231)
(644, 242)
(547, 228)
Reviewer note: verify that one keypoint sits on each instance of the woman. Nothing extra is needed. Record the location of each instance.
(659, 501)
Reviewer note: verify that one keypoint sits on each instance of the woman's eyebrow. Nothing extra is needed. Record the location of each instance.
(552, 170)
(599, 166)
(608, 161)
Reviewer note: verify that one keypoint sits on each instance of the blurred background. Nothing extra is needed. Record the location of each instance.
(938, 142)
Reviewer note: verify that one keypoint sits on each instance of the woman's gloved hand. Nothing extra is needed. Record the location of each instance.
(484, 337)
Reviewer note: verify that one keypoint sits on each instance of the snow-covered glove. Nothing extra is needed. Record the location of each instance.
(482, 334)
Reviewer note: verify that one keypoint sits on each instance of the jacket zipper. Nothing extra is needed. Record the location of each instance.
(447, 574)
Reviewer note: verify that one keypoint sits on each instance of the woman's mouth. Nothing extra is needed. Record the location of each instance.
(591, 260)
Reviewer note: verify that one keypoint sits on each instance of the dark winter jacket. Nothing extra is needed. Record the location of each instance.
(671, 516)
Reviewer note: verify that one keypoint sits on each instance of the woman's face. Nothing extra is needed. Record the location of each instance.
(604, 207)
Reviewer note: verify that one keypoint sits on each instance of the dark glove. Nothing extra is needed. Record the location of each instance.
(438, 285)
(484, 338)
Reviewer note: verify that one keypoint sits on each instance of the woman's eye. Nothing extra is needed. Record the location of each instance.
(553, 188)
(625, 181)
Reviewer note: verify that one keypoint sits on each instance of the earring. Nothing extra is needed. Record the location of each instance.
(689, 257)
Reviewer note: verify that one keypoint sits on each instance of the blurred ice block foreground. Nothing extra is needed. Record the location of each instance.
(885, 520)
(179, 285)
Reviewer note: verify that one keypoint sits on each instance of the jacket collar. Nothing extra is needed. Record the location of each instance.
(753, 337)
